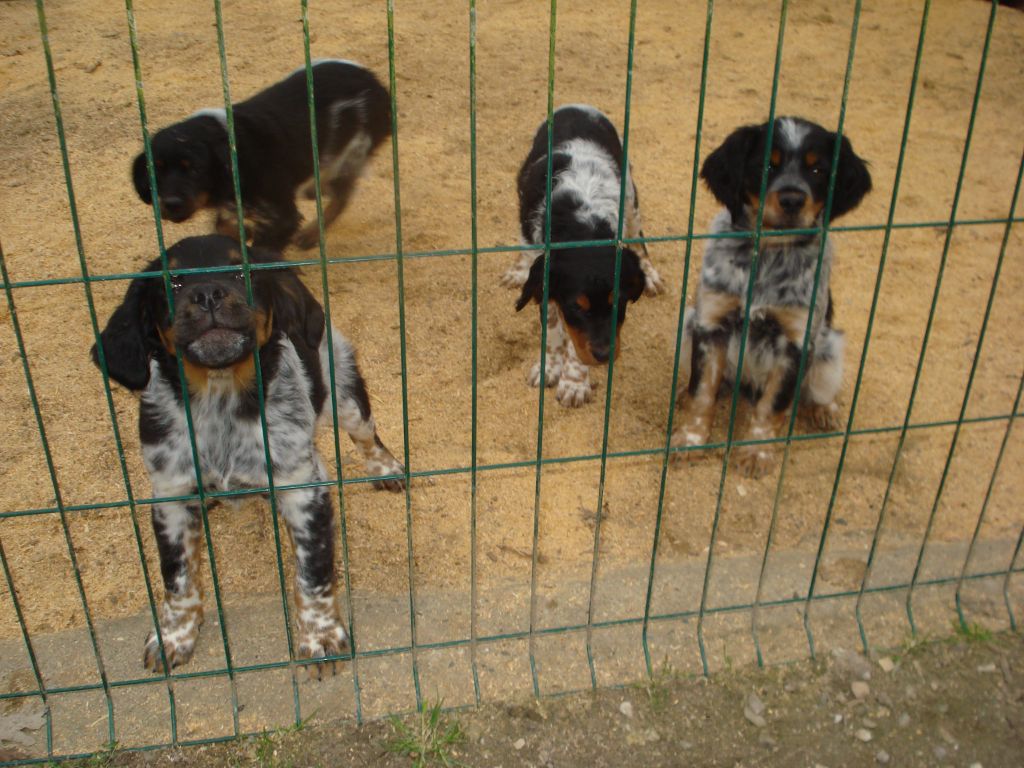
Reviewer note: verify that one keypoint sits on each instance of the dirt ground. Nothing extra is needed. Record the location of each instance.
(180, 73)
(958, 702)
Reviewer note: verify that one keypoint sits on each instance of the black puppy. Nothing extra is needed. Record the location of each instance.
(275, 154)
(217, 332)
(799, 166)
(586, 179)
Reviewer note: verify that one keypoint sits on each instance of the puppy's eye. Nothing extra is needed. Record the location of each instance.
(159, 164)
(176, 284)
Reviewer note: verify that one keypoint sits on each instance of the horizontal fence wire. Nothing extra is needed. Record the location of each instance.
(643, 620)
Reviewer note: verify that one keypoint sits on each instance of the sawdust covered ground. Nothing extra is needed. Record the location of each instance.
(264, 40)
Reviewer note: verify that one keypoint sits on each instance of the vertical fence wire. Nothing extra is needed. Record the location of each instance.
(542, 381)
(34, 399)
(26, 637)
(687, 252)
(801, 365)
(400, 266)
(1016, 401)
(625, 180)
(981, 518)
(260, 390)
(186, 399)
(1006, 582)
(854, 399)
(474, 308)
(100, 354)
(927, 336)
(329, 330)
(754, 262)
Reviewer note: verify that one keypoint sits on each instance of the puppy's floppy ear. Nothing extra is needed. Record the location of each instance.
(724, 170)
(140, 177)
(533, 288)
(853, 180)
(631, 276)
(130, 335)
(297, 313)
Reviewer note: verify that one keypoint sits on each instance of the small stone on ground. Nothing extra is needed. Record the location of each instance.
(863, 734)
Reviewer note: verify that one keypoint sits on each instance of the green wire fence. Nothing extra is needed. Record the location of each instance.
(642, 620)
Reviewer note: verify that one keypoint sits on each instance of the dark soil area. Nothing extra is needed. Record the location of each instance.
(956, 702)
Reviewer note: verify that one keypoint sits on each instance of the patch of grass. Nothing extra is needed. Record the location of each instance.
(428, 740)
(971, 632)
(101, 759)
(658, 686)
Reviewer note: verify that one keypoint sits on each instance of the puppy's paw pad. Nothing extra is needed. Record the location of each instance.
(573, 394)
(177, 651)
(392, 484)
(755, 461)
(319, 644)
(687, 437)
(552, 374)
(308, 237)
(653, 284)
(825, 418)
(514, 277)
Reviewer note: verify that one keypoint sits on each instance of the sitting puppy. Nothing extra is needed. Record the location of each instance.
(275, 154)
(216, 331)
(798, 176)
(586, 163)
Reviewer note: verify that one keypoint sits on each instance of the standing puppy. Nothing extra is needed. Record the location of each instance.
(217, 332)
(275, 154)
(586, 179)
(798, 174)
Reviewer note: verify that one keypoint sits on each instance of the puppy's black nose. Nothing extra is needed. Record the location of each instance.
(208, 297)
(792, 200)
(600, 354)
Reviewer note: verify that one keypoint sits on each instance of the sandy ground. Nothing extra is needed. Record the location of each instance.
(180, 73)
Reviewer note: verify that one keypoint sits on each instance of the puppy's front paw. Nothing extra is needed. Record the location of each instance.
(514, 277)
(179, 645)
(755, 461)
(653, 284)
(688, 436)
(552, 373)
(388, 465)
(824, 418)
(573, 394)
(319, 643)
(308, 237)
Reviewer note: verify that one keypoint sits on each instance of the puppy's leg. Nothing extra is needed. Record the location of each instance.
(574, 386)
(178, 529)
(274, 223)
(516, 275)
(823, 380)
(341, 172)
(769, 417)
(653, 284)
(356, 418)
(708, 336)
(310, 517)
(555, 347)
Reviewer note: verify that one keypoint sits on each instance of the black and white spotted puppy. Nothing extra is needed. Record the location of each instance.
(275, 154)
(217, 331)
(586, 182)
(800, 162)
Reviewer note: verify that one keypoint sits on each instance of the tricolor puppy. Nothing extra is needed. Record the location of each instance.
(800, 162)
(217, 331)
(275, 154)
(586, 181)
